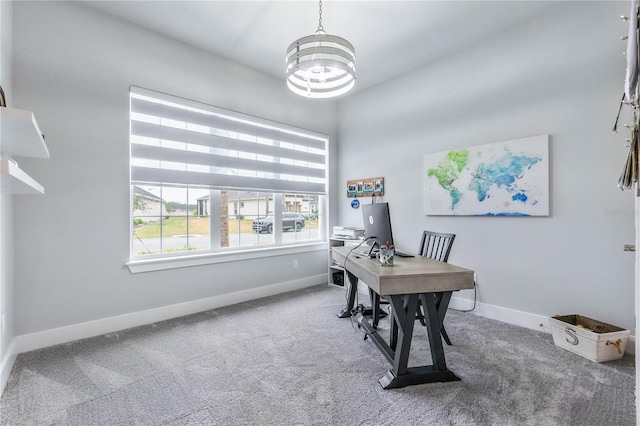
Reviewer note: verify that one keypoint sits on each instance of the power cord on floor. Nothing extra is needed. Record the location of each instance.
(357, 316)
(346, 294)
(475, 295)
(358, 306)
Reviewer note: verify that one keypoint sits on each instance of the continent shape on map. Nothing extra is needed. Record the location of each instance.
(448, 171)
(503, 172)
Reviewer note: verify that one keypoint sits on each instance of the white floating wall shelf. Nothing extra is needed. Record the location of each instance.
(20, 136)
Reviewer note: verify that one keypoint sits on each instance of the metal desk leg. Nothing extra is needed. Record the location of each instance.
(351, 298)
(375, 308)
(393, 332)
(432, 318)
(442, 302)
(393, 324)
(404, 311)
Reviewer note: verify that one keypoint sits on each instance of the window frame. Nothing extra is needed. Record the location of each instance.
(216, 253)
(200, 259)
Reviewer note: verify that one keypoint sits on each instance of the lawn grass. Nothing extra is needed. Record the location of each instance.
(240, 226)
(197, 225)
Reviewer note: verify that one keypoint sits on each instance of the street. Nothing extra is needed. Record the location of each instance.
(197, 242)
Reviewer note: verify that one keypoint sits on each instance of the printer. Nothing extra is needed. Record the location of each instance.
(347, 232)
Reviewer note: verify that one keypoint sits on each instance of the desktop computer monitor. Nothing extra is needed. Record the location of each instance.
(377, 224)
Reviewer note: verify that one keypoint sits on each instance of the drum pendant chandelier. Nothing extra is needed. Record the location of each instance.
(321, 65)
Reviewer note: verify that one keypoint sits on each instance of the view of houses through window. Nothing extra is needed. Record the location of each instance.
(171, 220)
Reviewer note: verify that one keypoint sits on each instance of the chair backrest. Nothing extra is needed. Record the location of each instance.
(436, 245)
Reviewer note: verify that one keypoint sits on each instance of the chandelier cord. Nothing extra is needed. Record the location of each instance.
(320, 19)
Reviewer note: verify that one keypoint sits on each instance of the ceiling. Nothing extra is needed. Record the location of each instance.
(390, 37)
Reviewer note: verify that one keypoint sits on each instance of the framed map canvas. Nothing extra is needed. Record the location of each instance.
(500, 179)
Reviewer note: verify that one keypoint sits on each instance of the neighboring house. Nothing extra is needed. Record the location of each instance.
(248, 204)
(147, 206)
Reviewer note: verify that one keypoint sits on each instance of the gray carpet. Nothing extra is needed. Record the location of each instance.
(288, 360)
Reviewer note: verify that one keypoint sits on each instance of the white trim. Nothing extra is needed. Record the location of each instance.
(277, 219)
(631, 345)
(173, 262)
(215, 226)
(56, 336)
(7, 364)
(637, 296)
(512, 316)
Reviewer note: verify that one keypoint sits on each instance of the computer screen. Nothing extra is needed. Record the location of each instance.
(377, 224)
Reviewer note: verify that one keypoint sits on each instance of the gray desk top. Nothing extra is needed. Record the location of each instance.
(407, 275)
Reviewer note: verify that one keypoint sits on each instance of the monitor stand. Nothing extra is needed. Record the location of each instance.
(368, 253)
(373, 250)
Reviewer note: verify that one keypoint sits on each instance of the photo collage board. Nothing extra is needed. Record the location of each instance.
(365, 187)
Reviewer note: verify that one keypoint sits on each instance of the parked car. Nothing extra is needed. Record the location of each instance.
(289, 221)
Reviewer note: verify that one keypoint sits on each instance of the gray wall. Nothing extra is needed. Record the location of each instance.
(72, 243)
(6, 200)
(561, 74)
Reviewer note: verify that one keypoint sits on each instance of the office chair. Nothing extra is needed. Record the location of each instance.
(433, 245)
(436, 246)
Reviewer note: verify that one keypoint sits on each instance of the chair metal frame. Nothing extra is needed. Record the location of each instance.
(436, 246)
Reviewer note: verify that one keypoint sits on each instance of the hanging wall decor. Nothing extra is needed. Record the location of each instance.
(370, 187)
(500, 179)
(630, 96)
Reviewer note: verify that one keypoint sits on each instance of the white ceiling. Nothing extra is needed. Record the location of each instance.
(390, 37)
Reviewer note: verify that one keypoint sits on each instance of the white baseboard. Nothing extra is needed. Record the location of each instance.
(56, 336)
(39, 340)
(7, 364)
(512, 316)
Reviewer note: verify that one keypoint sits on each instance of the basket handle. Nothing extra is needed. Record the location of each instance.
(617, 344)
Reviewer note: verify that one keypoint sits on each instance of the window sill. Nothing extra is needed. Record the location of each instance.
(159, 264)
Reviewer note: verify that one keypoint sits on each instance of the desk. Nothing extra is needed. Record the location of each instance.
(409, 280)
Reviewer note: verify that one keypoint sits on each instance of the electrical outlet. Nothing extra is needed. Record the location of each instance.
(295, 263)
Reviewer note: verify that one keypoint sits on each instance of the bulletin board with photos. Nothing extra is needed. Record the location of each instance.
(365, 187)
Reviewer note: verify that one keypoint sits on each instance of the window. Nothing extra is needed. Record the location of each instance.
(168, 220)
(208, 180)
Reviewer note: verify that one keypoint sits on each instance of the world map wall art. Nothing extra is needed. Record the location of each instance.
(500, 179)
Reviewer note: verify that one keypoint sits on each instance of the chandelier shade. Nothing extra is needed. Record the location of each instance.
(321, 65)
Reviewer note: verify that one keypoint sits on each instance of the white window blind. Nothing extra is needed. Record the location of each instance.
(175, 141)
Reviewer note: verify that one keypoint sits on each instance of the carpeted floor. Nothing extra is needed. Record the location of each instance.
(288, 360)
